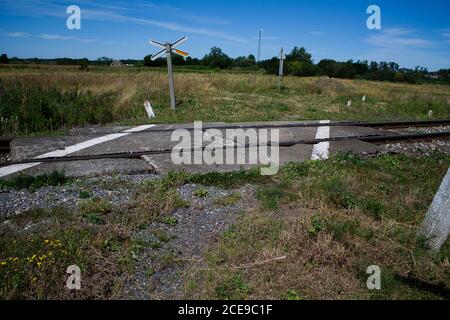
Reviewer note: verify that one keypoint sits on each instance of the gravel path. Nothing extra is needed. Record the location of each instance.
(116, 189)
(169, 249)
(197, 226)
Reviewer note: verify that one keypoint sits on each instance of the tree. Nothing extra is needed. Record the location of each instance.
(216, 58)
(160, 62)
(271, 66)
(300, 63)
(4, 59)
(104, 61)
(328, 67)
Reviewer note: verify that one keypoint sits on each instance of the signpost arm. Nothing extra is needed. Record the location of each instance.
(170, 71)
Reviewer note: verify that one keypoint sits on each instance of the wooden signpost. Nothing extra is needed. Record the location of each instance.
(169, 48)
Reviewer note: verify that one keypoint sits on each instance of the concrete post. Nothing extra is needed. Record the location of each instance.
(170, 71)
(436, 226)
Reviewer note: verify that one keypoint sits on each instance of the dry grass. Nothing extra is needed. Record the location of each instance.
(240, 97)
(37, 247)
(332, 221)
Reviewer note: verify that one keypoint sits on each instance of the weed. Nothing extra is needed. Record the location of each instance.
(233, 288)
(227, 179)
(269, 197)
(84, 194)
(230, 232)
(163, 236)
(317, 225)
(229, 200)
(150, 272)
(94, 206)
(171, 221)
(20, 182)
(201, 193)
(291, 295)
(167, 259)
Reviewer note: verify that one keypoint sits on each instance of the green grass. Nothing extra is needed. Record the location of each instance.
(229, 200)
(201, 193)
(20, 182)
(329, 219)
(27, 108)
(269, 196)
(339, 217)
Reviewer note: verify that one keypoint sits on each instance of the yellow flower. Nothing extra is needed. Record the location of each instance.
(3, 263)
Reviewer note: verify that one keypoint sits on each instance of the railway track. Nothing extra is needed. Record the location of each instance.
(5, 141)
(377, 139)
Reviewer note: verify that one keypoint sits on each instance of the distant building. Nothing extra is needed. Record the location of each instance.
(117, 63)
(432, 76)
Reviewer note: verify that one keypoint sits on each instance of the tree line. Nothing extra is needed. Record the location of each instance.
(299, 62)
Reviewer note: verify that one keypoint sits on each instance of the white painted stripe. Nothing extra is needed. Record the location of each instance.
(81, 146)
(140, 128)
(4, 171)
(321, 150)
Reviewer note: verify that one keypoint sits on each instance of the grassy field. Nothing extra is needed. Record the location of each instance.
(41, 99)
(315, 229)
(320, 225)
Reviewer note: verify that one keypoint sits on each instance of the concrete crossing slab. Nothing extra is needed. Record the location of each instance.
(109, 140)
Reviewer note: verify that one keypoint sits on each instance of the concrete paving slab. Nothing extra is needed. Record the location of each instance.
(25, 148)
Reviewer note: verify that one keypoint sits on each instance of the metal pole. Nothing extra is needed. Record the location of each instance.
(170, 71)
(259, 45)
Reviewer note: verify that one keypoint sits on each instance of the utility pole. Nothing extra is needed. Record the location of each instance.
(259, 45)
(168, 49)
(282, 57)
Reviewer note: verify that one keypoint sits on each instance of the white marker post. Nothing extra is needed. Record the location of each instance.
(436, 226)
(168, 49)
(282, 57)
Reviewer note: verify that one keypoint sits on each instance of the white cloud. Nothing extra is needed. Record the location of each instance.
(267, 38)
(110, 13)
(47, 36)
(396, 38)
(446, 33)
(17, 34)
(87, 40)
(108, 16)
(397, 31)
(316, 33)
(114, 43)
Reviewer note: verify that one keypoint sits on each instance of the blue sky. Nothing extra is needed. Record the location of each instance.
(413, 32)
